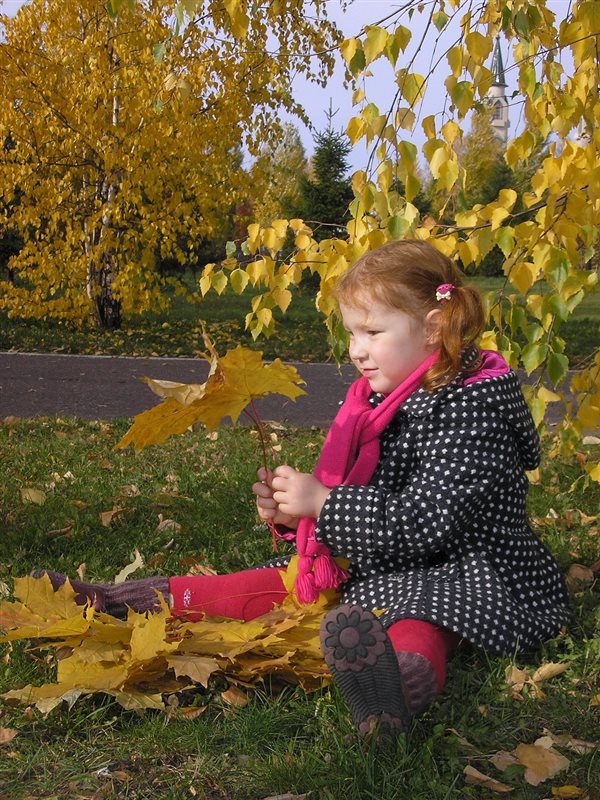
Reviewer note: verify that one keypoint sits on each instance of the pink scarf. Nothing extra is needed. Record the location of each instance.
(349, 457)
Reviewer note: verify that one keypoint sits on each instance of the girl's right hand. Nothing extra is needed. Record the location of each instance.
(268, 509)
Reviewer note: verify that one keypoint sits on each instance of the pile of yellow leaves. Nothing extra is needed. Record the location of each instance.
(139, 660)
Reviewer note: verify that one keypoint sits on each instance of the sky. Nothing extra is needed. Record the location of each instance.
(381, 88)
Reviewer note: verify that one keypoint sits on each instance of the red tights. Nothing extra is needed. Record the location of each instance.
(253, 592)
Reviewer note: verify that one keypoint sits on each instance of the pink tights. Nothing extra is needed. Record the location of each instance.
(253, 592)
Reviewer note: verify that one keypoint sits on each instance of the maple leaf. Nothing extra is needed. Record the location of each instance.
(139, 659)
(235, 381)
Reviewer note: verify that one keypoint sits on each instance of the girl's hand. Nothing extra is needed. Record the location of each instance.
(298, 493)
(268, 508)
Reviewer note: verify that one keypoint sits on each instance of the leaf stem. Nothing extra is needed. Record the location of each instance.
(258, 424)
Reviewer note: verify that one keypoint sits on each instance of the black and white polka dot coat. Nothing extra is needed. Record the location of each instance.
(440, 533)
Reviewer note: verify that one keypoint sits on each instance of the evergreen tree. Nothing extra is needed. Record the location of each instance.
(326, 192)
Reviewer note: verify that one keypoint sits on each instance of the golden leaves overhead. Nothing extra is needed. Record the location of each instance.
(546, 232)
(145, 163)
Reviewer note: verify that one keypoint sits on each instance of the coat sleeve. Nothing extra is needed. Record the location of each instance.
(466, 462)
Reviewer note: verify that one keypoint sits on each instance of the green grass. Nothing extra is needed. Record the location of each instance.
(301, 335)
(282, 742)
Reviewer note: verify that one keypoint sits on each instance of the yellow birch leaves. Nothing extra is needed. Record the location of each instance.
(547, 235)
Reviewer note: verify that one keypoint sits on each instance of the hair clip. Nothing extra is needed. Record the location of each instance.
(443, 292)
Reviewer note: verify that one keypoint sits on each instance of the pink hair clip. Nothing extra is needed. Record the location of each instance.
(443, 292)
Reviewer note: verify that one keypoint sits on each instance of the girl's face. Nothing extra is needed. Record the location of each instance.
(386, 345)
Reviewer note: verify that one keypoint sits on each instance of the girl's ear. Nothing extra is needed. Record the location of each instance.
(432, 327)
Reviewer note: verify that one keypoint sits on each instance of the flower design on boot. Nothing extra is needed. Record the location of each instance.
(352, 641)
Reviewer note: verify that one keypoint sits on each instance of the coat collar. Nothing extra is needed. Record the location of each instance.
(421, 403)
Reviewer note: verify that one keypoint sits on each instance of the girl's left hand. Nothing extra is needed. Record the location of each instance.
(298, 493)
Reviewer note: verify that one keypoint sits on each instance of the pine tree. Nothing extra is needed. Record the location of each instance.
(326, 192)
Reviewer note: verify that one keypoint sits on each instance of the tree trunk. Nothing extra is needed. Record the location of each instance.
(107, 309)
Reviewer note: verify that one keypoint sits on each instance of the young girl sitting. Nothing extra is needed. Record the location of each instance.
(421, 486)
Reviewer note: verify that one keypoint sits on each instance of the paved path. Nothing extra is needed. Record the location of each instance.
(103, 387)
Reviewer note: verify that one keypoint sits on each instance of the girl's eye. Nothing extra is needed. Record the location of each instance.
(373, 333)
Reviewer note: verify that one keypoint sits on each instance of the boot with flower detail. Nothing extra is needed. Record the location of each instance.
(363, 663)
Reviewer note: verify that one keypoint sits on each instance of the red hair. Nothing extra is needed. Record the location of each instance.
(405, 275)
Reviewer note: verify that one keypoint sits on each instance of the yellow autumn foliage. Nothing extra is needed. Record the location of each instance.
(548, 244)
(234, 382)
(140, 660)
(123, 125)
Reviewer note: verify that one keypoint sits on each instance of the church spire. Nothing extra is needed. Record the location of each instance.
(497, 65)
(496, 96)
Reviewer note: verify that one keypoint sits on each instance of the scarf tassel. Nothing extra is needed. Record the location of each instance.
(316, 573)
(328, 575)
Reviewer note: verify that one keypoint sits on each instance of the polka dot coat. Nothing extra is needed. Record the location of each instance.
(440, 533)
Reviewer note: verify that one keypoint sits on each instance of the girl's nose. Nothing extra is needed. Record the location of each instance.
(356, 349)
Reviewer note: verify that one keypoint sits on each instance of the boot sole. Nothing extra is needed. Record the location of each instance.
(362, 661)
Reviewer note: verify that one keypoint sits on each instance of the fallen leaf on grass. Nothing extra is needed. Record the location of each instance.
(595, 701)
(503, 760)
(141, 660)
(35, 496)
(235, 697)
(168, 525)
(549, 670)
(200, 569)
(462, 741)
(188, 712)
(517, 679)
(7, 735)
(129, 490)
(56, 533)
(567, 792)
(578, 577)
(579, 746)
(137, 563)
(542, 763)
(287, 796)
(473, 776)
(106, 517)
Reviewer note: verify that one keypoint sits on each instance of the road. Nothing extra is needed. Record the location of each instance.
(104, 387)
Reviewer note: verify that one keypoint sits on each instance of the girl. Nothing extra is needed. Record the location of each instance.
(421, 486)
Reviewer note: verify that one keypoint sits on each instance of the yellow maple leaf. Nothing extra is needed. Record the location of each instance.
(38, 595)
(148, 655)
(234, 382)
(197, 668)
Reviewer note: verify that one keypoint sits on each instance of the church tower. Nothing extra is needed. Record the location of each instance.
(496, 96)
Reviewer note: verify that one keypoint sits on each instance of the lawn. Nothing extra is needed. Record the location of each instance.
(283, 743)
(301, 335)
